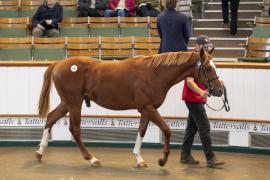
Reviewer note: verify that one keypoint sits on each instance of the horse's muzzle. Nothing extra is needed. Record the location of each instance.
(217, 92)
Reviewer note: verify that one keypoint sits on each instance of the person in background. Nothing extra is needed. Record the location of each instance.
(195, 96)
(46, 19)
(234, 4)
(89, 8)
(173, 29)
(146, 8)
(123, 8)
(101, 6)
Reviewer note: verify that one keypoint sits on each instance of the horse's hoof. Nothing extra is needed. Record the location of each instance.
(96, 164)
(38, 156)
(161, 162)
(142, 165)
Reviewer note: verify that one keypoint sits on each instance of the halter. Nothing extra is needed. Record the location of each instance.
(210, 87)
(208, 82)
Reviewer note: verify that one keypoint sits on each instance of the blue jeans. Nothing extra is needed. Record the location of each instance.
(119, 12)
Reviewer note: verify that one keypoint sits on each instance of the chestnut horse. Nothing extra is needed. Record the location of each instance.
(140, 83)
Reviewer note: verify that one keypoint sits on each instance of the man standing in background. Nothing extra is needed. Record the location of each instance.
(173, 29)
(234, 4)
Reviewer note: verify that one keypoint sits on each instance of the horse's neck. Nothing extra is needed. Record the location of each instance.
(174, 74)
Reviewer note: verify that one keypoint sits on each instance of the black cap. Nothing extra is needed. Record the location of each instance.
(203, 40)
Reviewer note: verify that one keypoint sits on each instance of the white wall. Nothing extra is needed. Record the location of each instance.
(248, 94)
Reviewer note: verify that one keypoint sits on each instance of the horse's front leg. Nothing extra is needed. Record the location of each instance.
(75, 129)
(153, 114)
(137, 148)
(52, 118)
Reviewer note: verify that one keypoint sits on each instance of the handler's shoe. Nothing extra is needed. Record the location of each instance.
(188, 159)
(214, 162)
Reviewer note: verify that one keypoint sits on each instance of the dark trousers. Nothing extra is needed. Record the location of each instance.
(145, 11)
(197, 121)
(234, 4)
(87, 11)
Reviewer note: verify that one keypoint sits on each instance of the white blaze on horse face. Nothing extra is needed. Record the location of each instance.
(74, 68)
(137, 149)
(44, 141)
(212, 64)
(199, 63)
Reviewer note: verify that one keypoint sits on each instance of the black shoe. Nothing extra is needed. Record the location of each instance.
(188, 159)
(214, 163)
(233, 31)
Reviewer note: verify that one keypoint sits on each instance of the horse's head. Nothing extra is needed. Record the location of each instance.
(205, 73)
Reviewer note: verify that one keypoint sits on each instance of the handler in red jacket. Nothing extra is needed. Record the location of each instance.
(195, 96)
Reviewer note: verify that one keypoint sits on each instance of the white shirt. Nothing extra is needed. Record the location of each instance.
(121, 4)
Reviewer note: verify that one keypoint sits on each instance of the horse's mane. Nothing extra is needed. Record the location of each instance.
(166, 59)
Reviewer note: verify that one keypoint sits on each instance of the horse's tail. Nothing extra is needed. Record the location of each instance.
(44, 98)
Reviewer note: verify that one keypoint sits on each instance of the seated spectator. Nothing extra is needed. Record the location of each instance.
(101, 6)
(92, 8)
(46, 19)
(147, 8)
(120, 8)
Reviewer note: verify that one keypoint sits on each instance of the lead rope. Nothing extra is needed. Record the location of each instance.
(225, 102)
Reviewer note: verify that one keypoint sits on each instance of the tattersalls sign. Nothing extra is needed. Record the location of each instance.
(133, 123)
(230, 126)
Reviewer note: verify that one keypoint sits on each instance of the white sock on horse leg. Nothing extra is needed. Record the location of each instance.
(93, 160)
(137, 148)
(44, 141)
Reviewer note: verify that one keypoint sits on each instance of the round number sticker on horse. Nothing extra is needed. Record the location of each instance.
(74, 68)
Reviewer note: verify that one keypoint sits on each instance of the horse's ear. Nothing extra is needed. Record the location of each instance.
(201, 52)
(211, 51)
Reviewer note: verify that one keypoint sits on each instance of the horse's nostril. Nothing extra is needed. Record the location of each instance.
(219, 92)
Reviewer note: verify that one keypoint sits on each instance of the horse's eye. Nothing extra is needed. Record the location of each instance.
(209, 69)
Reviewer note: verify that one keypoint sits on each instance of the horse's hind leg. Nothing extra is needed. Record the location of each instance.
(153, 114)
(137, 148)
(52, 118)
(75, 129)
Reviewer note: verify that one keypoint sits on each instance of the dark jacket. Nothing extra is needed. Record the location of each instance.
(100, 4)
(174, 31)
(45, 13)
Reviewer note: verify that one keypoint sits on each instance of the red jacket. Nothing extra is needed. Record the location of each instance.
(191, 96)
(130, 5)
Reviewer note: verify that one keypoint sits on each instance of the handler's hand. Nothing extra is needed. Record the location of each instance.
(204, 94)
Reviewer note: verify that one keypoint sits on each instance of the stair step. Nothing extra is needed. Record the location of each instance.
(222, 59)
(222, 32)
(242, 5)
(222, 42)
(217, 14)
(227, 53)
(215, 23)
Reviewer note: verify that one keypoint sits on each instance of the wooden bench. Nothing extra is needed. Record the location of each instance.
(262, 21)
(257, 50)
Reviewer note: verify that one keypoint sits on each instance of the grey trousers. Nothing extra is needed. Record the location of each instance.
(37, 32)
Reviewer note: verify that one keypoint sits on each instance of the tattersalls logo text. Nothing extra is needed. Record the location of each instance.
(230, 126)
(7, 121)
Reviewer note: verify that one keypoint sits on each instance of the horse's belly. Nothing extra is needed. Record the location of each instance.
(119, 101)
(116, 105)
